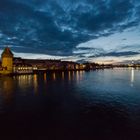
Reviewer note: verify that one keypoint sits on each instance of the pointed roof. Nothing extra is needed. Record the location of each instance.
(7, 52)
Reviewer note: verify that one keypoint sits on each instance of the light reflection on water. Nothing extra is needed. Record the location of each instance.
(132, 76)
(76, 100)
(7, 90)
(63, 75)
(45, 77)
(54, 76)
(35, 83)
(120, 81)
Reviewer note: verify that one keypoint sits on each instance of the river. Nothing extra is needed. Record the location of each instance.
(101, 104)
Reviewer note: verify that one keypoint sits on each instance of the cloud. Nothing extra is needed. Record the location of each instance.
(64, 28)
(43, 56)
(128, 53)
(113, 45)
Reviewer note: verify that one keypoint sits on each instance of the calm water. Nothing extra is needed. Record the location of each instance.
(102, 104)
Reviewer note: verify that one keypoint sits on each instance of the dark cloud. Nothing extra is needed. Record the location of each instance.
(115, 54)
(57, 26)
(127, 53)
(106, 16)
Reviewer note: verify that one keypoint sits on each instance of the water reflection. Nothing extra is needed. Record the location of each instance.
(132, 76)
(45, 77)
(79, 75)
(8, 89)
(63, 75)
(54, 76)
(24, 80)
(69, 75)
(35, 83)
(96, 100)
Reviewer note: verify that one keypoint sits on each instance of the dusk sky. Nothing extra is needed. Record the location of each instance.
(105, 31)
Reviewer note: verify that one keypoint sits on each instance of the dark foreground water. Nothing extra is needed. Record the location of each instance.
(102, 104)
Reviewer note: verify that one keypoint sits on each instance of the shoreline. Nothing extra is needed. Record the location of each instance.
(52, 71)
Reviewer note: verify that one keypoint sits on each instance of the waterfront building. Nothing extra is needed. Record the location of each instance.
(7, 61)
(22, 69)
(16, 65)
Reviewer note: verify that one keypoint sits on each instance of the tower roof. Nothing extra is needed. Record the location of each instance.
(7, 52)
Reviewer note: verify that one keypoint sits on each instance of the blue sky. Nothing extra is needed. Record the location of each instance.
(79, 30)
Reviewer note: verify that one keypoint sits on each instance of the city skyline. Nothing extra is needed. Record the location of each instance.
(104, 31)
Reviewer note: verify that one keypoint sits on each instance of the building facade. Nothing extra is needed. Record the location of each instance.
(7, 61)
(13, 65)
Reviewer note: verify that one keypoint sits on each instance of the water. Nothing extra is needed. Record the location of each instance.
(103, 104)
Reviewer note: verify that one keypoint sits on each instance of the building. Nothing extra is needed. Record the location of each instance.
(7, 61)
(16, 65)
(22, 69)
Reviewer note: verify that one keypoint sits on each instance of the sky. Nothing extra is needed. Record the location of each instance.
(103, 31)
